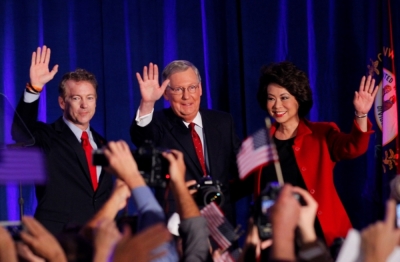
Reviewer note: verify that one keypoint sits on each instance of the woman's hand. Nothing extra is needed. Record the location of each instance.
(365, 97)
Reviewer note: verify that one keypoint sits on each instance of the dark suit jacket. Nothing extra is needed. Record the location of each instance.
(68, 198)
(166, 130)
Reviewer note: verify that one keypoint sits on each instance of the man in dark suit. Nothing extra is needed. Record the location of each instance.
(170, 128)
(75, 189)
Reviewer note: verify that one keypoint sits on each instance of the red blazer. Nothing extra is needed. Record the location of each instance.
(317, 147)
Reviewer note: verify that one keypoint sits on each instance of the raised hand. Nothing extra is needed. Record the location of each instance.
(122, 164)
(142, 246)
(26, 253)
(364, 98)
(307, 216)
(150, 88)
(7, 247)
(39, 71)
(253, 242)
(120, 194)
(285, 214)
(40, 241)
(191, 185)
(106, 236)
(177, 168)
(379, 239)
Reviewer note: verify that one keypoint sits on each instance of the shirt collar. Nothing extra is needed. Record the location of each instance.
(77, 131)
(197, 120)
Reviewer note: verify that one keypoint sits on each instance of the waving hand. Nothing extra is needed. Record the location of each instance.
(364, 98)
(150, 88)
(39, 72)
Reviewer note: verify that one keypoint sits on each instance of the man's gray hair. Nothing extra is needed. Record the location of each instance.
(179, 66)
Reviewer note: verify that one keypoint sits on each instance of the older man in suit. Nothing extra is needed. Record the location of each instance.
(75, 189)
(206, 137)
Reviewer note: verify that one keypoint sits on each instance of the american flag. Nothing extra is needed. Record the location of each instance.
(222, 232)
(256, 151)
(22, 165)
(220, 229)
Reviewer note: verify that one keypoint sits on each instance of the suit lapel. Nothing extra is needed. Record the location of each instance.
(212, 136)
(182, 134)
(70, 138)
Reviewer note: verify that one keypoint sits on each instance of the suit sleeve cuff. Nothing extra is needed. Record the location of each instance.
(30, 98)
(143, 120)
(357, 129)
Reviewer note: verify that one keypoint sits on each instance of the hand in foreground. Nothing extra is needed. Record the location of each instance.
(7, 247)
(120, 194)
(379, 240)
(24, 252)
(106, 236)
(141, 247)
(307, 216)
(364, 98)
(285, 214)
(177, 166)
(185, 204)
(40, 241)
(118, 200)
(253, 242)
(190, 185)
(39, 71)
(150, 88)
(122, 164)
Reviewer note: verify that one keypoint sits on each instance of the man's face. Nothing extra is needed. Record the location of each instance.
(185, 105)
(79, 103)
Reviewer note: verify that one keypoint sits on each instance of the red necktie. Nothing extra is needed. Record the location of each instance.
(88, 152)
(198, 147)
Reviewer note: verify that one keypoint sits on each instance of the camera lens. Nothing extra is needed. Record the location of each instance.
(213, 196)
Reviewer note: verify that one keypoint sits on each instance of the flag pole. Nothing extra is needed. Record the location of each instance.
(277, 164)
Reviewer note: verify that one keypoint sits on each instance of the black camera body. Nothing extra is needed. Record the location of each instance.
(151, 164)
(262, 209)
(209, 191)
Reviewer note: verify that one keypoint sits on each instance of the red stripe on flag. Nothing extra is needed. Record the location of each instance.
(249, 158)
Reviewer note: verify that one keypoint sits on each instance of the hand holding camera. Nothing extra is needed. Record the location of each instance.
(285, 212)
(147, 161)
(276, 203)
(192, 186)
(177, 168)
(122, 164)
(307, 217)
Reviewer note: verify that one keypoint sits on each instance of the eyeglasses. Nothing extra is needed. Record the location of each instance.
(179, 90)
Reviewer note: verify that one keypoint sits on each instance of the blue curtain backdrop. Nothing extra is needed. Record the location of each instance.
(229, 41)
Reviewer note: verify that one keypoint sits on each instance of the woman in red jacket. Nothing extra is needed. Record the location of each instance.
(308, 150)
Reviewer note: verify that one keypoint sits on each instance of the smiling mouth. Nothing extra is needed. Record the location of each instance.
(279, 114)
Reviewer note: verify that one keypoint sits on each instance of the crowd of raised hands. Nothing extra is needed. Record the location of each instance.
(100, 239)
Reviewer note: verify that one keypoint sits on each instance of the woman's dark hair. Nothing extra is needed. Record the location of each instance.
(287, 75)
